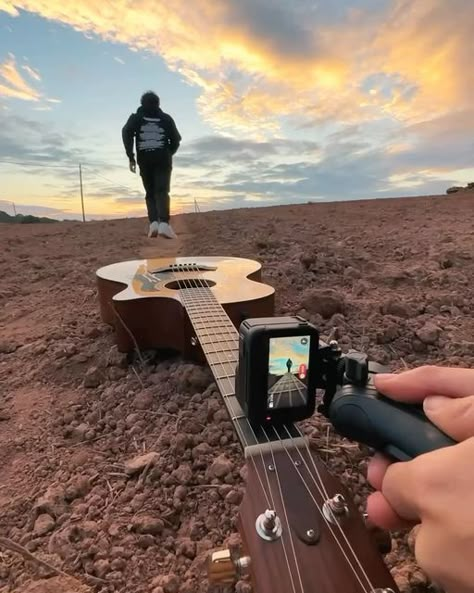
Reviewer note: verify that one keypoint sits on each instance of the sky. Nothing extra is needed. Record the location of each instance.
(282, 349)
(277, 101)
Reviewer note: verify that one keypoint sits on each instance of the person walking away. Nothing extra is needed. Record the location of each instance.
(156, 141)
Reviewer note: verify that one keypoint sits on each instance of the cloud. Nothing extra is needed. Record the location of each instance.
(13, 85)
(261, 61)
(210, 150)
(307, 100)
(44, 147)
(119, 60)
(32, 72)
(342, 169)
(8, 7)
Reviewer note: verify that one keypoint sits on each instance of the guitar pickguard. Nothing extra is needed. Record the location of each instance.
(145, 282)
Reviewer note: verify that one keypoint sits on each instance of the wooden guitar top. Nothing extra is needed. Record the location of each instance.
(230, 278)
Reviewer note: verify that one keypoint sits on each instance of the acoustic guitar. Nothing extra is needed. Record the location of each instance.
(301, 531)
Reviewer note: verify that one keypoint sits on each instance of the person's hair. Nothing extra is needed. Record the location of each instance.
(150, 100)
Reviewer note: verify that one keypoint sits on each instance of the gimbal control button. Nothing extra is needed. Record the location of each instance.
(356, 368)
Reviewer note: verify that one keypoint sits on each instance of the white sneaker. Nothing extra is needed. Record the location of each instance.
(165, 230)
(154, 229)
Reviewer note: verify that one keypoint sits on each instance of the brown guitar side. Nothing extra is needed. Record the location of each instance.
(156, 317)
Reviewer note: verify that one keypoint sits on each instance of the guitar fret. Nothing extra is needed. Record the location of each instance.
(226, 393)
(223, 370)
(199, 303)
(211, 325)
(227, 366)
(217, 339)
(203, 324)
(203, 312)
(226, 386)
(215, 347)
(216, 358)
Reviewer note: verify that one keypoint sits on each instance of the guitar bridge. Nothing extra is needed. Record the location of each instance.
(186, 268)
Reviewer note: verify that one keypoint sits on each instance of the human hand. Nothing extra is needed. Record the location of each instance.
(132, 165)
(435, 489)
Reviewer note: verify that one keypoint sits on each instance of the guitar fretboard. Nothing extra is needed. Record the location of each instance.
(219, 340)
(216, 333)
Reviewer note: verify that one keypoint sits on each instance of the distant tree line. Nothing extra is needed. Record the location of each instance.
(23, 218)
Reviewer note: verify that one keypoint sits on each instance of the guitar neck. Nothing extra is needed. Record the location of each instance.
(219, 341)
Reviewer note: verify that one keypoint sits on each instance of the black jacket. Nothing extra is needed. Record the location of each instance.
(154, 132)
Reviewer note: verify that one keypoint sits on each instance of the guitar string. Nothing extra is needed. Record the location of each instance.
(214, 301)
(318, 473)
(284, 507)
(323, 493)
(234, 344)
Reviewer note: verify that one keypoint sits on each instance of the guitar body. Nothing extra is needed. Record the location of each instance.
(141, 299)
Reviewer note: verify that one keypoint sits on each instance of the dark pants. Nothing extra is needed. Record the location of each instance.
(156, 181)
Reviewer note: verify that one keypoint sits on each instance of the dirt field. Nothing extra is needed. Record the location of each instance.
(394, 277)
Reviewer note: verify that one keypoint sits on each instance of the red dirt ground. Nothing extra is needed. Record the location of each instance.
(401, 276)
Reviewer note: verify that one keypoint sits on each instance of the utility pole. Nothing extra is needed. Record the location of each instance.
(82, 193)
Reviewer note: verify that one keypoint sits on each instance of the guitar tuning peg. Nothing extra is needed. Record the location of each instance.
(224, 568)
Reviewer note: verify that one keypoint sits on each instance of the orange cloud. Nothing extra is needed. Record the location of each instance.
(259, 62)
(13, 85)
(8, 7)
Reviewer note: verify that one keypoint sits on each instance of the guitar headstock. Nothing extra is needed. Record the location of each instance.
(301, 532)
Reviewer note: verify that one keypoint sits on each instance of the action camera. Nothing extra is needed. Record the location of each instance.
(277, 372)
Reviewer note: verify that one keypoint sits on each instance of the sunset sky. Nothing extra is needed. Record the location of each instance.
(277, 101)
(282, 349)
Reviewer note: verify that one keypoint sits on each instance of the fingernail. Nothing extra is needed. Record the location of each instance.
(434, 402)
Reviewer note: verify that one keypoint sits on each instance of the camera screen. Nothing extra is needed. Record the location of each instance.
(288, 371)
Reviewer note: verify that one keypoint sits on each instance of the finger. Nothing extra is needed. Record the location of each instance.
(381, 513)
(454, 416)
(416, 384)
(376, 470)
(400, 489)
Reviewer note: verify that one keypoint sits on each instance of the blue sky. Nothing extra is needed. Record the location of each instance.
(282, 349)
(271, 108)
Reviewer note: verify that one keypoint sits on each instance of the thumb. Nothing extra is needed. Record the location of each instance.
(454, 416)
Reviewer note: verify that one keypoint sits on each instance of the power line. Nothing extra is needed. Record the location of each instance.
(82, 193)
(114, 183)
(56, 165)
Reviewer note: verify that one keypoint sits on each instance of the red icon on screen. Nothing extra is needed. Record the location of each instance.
(302, 371)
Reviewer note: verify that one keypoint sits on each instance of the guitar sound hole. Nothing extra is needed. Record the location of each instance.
(190, 283)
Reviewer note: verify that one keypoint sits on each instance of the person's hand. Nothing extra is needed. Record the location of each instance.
(436, 489)
(132, 165)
